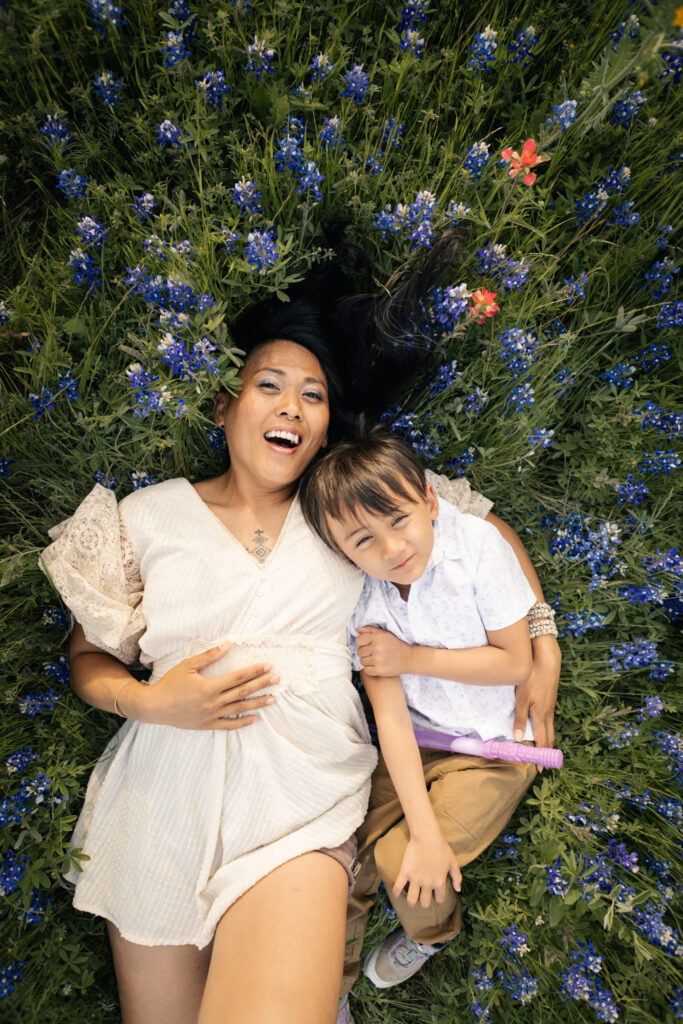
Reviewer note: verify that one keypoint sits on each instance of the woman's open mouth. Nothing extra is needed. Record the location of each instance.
(284, 441)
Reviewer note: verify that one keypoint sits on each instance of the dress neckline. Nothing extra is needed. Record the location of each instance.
(231, 536)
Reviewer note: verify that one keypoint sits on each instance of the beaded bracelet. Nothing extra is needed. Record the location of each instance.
(541, 620)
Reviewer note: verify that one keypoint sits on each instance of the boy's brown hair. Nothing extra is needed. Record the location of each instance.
(372, 473)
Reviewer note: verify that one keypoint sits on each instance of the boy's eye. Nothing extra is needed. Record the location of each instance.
(399, 519)
(362, 540)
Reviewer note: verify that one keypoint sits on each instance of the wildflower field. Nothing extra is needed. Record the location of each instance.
(161, 168)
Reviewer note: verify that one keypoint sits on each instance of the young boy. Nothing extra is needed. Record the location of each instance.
(441, 637)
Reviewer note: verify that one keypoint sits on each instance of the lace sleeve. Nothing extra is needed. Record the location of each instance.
(460, 494)
(94, 566)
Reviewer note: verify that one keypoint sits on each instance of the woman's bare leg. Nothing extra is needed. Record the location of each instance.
(278, 951)
(158, 984)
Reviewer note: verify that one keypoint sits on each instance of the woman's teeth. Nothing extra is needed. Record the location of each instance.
(284, 437)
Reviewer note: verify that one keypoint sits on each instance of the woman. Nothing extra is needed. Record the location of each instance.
(219, 845)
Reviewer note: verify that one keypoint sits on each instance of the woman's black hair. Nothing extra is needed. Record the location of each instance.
(363, 340)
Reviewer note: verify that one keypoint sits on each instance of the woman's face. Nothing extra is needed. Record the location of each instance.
(279, 420)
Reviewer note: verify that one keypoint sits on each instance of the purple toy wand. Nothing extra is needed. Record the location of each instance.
(504, 750)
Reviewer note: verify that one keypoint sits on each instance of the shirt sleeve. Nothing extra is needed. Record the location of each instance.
(502, 592)
(460, 494)
(94, 567)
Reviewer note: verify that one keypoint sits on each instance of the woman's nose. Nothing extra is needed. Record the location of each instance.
(290, 406)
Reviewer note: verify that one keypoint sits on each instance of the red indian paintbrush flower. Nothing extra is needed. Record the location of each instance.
(483, 304)
(529, 158)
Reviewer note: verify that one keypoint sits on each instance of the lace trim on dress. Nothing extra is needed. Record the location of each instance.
(460, 494)
(95, 570)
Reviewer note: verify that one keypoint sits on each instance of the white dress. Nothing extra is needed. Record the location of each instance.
(176, 823)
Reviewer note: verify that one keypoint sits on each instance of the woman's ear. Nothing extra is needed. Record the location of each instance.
(220, 406)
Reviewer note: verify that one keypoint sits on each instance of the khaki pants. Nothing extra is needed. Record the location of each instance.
(473, 800)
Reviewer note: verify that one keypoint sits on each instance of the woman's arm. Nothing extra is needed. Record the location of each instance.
(428, 859)
(182, 697)
(537, 695)
(505, 662)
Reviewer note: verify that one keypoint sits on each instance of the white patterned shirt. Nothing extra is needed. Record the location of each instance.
(472, 583)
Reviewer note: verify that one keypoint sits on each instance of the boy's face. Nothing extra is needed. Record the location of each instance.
(396, 547)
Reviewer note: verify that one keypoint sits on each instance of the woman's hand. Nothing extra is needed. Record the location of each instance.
(381, 653)
(536, 697)
(425, 869)
(187, 700)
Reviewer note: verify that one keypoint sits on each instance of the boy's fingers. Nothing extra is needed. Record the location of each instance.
(425, 897)
(369, 629)
(399, 884)
(456, 877)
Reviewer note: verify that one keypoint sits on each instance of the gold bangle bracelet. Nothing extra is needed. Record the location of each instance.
(116, 698)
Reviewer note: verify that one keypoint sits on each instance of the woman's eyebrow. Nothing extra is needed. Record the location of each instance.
(283, 373)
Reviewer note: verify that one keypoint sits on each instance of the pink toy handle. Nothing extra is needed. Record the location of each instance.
(504, 750)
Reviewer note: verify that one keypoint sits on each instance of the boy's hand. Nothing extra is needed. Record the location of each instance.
(425, 869)
(381, 653)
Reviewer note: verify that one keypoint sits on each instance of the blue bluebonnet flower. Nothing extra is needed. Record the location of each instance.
(670, 809)
(357, 84)
(620, 855)
(231, 239)
(261, 250)
(4, 469)
(105, 15)
(630, 27)
(482, 1014)
(54, 617)
(670, 746)
(91, 232)
(661, 273)
(476, 160)
(19, 759)
(676, 1003)
(186, 18)
(652, 708)
(653, 356)
(659, 462)
(68, 386)
(461, 462)
(107, 88)
(664, 421)
(555, 883)
(290, 155)
(447, 374)
(12, 870)
(672, 58)
(624, 216)
(309, 179)
(216, 438)
(5, 312)
(579, 982)
(260, 57)
(374, 165)
(321, 66)
(650, 922)
(620, 738)
(492, 259)
(632, 492)
(39, 703)
(575, 288)
(168, 134)
(144, 283)
(392, 133)
(410, 39)
(104, 479)
(521, 986)
(37, 909)
(594, 204)
(564, 115)
(637, 653)
(477, 401)
(514, 942)
(10, 974)
(626, 110)
(72, 184)
(511, 848)
(143, 205)
(246, 195)
(670, 315)
(522, 48)
(483, 50)
(212, 84)
(141, 479)
(649, 594)
(666, 230)
(519, 350)
(456, 211)
(42, 402)
(175, 48)
(541, 438)
(407, 425)
(574, 539)
(482, 982)
(413, 14)
(183, 249)
(620, 376)
(330, 134)
(448, 305)
(520, 398)
(516, 274)
(55, 132)
(592, 818)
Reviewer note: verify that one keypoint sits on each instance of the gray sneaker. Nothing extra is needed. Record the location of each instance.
(344, 1015)
(395, 960)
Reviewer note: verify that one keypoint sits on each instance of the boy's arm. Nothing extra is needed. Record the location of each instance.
(428, 859)
(537, 696)
(505, 662)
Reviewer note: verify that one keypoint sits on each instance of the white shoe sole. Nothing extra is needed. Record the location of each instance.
(371, 974)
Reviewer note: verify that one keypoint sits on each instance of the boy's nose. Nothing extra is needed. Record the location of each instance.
(391, 546)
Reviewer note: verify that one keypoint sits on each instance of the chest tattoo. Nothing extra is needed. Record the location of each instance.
(259, 546)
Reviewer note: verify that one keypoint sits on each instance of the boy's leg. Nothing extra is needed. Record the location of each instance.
(473, 800)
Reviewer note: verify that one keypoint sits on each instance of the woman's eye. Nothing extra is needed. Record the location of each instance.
(314, 395)
(267, 384)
